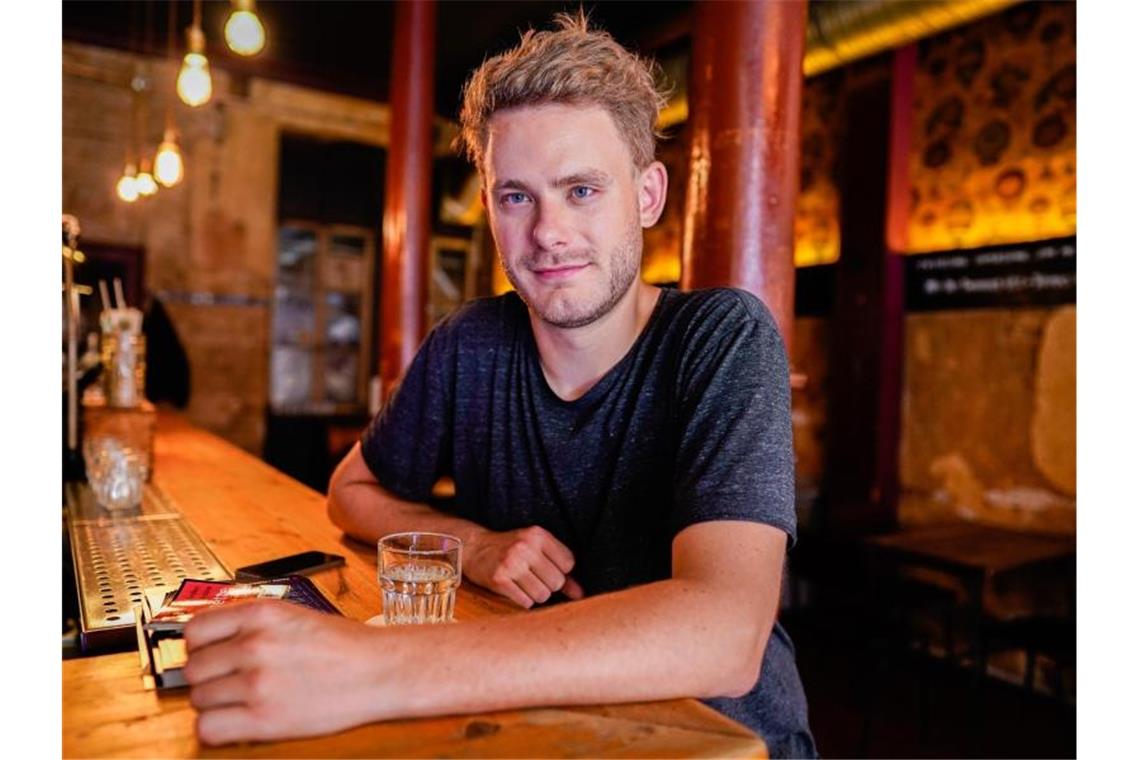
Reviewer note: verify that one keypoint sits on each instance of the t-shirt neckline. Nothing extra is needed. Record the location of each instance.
(605, 381)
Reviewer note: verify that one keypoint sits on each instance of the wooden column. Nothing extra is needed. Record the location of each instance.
(860, 490)
(407, 196)
(744, 107)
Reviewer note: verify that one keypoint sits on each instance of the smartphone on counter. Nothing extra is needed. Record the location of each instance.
(295, 564)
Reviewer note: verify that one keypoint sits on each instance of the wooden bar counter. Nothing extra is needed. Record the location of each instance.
(248, 512)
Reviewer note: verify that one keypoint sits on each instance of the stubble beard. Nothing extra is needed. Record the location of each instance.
(567, 312)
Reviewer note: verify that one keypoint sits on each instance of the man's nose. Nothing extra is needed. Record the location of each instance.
(551, 226)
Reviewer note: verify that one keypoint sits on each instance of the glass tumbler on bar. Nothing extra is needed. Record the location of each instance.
(115, 471)
(124, 368)
(419, 573)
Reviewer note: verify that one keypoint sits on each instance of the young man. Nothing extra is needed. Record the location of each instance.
(624, 445)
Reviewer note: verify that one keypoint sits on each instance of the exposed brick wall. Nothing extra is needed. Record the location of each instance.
(211, 241)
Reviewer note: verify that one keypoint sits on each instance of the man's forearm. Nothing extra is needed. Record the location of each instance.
(255, 673)
(673, 638)
(366, 511)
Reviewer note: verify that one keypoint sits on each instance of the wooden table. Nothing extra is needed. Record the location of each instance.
(248, 512)
(972, 553)
(973, 547)
(974, 556)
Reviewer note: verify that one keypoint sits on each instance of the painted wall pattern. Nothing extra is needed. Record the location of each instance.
(993, 156)
(817, 205)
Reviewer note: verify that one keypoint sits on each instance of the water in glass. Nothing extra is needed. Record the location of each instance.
(418, 591)
(419, 573)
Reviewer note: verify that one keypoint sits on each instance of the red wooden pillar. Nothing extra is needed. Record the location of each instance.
(888, 441)
(861, 485)
(407, 196)
(745, 80)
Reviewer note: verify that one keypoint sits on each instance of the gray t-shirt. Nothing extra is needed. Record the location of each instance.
(693, 424)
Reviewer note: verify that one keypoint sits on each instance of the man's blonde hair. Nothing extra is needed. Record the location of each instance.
(571, 65)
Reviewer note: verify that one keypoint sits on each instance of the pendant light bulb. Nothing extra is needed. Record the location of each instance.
(194, 84)
(168, 161)
(244, 32)
(126, 188)
(144, 180)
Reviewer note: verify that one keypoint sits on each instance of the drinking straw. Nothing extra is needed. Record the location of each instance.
(120, 302)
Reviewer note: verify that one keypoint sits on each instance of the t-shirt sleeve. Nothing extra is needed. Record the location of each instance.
(408, 444)
(735, 459)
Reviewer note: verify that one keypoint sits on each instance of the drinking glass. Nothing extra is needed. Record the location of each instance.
(115, 471)
(419, 573)
(124, 368)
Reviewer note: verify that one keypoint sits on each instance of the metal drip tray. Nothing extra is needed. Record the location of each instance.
(82, 506)
(119, 555)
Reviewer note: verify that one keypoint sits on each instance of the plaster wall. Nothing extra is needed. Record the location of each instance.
(988, 416)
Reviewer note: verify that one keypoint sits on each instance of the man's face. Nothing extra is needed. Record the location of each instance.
(561, 191)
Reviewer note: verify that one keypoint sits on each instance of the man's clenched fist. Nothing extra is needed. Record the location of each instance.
(525, 565)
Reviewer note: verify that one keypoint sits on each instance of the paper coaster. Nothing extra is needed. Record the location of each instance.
(378, 620)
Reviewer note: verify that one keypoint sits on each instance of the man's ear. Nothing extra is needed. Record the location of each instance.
(483, 195)
(653, 185)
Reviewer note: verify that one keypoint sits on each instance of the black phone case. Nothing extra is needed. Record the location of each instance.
(251, 572)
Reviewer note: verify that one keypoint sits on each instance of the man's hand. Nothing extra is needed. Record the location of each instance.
(525, 565)
(269, 670)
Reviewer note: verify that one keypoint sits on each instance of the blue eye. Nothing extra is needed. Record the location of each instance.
(581, 192)
(513, 199)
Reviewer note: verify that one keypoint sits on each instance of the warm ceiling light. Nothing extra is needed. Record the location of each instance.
(145, 183)
(144, 180)
(194, 84)
(244, 33)
(168, 160)
(127, 188)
